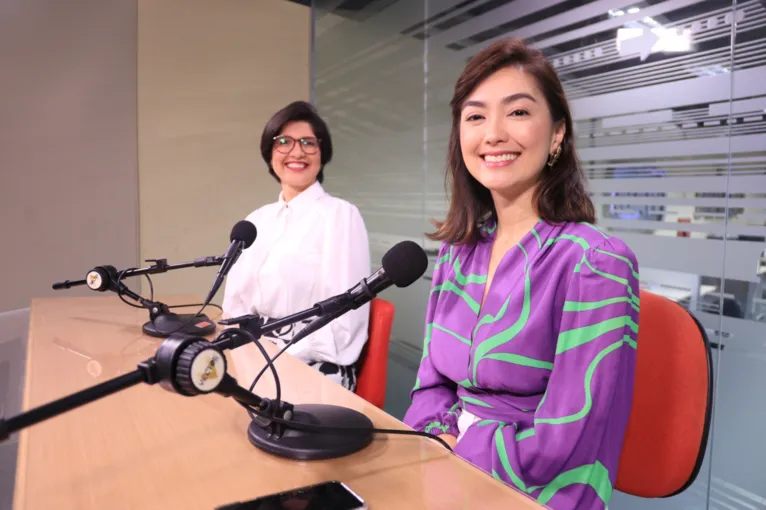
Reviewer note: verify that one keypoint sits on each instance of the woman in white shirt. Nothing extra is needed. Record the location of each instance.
(310, 246)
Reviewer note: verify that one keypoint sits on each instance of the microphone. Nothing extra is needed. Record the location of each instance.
(190, 365)
(402, 265)
(242, 237)
(162, 322)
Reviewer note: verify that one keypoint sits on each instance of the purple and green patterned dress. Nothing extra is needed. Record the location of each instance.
(544, 368)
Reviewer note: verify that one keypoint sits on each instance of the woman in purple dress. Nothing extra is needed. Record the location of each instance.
(530, 338)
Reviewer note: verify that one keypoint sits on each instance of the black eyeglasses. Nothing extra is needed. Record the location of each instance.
(284, 144)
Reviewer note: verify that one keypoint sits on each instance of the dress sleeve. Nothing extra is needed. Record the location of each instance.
(345, 261)
(569, 457)
(435, 405)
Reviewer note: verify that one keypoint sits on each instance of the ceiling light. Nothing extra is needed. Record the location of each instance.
(650, 21)
(644, 42)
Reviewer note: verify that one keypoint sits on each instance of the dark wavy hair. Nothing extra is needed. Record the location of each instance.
(295, 112)
(560, 195)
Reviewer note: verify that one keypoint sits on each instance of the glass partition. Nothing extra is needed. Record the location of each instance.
(739, 452)
(669, 104)
(368, 84)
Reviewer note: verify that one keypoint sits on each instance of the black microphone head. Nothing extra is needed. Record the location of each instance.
(405, 263)
(243, 231)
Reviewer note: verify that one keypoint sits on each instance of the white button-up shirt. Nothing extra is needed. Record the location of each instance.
(308, 249)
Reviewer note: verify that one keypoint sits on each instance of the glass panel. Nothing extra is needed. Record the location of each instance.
(673, 143)
(368, 84)
(13, 352)
(739, 451)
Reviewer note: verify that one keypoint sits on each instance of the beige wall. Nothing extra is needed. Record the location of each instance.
(79, 143)
(68, 164)
(68, 154)
(210, 74)
(74, 128)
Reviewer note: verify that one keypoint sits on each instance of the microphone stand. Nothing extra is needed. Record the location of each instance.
(192, 366)
(303, 431)
(162, 322)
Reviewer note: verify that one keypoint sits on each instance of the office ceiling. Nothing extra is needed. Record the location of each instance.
(464, 27)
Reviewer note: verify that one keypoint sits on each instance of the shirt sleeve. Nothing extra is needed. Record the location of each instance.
(434, 407)
(233, 305)
(569, 457)
(345, 262)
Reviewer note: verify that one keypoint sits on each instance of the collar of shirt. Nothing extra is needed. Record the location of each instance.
(303, 201)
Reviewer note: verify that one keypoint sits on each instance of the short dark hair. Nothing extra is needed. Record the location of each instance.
(295, 112)
(561, 194)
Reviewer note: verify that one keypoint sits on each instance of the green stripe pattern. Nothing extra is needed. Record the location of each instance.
(594, 475)
(592, 320)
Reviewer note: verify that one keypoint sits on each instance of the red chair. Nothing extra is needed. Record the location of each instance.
(373, 363)
(669, 423)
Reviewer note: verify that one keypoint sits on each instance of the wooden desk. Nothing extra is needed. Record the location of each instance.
(147, 448)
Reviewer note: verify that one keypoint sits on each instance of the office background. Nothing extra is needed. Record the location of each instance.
(673, 143)
(130, 131)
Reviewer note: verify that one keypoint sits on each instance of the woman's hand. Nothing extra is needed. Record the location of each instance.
(449, 439)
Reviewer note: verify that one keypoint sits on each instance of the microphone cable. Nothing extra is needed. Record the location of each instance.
(342, 430)
(254, 412)
(298, 337)
(227, 333)
(121, 295)
(306, 331)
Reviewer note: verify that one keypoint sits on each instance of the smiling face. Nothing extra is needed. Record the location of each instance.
(507, 133)
(296, 158)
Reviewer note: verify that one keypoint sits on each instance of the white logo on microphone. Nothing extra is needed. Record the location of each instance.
(207, 370)
(94, 280)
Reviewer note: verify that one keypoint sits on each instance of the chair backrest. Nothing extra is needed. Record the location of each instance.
(667, 433)
(373, 366)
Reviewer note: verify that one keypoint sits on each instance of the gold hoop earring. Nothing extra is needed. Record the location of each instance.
(554, 157)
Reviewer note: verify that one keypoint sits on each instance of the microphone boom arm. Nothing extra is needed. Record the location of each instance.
(162, 322)
(173, 367)
(158, 266)
(64, 404)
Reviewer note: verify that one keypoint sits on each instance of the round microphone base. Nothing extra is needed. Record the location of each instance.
(309, 445)
(171, 323)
